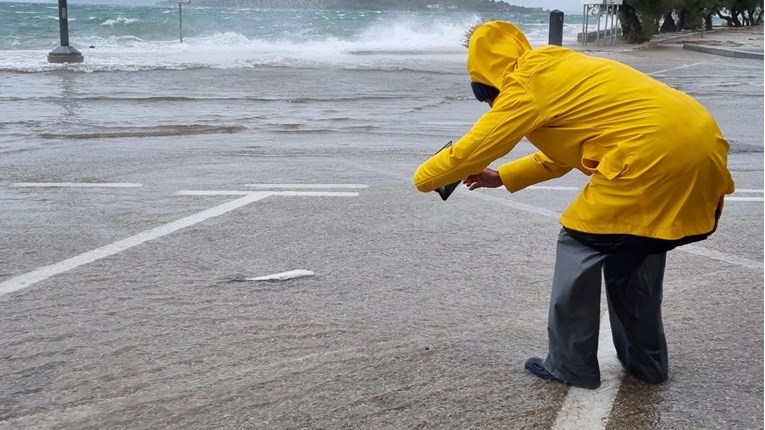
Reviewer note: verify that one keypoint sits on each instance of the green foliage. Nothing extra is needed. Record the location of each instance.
(739, 12)
(641, 19)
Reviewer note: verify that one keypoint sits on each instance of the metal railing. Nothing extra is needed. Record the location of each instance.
(605, 13)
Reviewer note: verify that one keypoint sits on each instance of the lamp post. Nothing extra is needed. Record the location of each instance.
(64, 53)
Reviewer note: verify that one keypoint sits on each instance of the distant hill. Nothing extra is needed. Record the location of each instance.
(470, 5)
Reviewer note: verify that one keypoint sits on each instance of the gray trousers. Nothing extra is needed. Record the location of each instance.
(634, 293)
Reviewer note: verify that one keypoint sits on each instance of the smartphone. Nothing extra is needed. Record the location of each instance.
(446, 190)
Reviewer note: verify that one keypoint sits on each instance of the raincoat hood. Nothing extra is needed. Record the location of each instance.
(493, 51)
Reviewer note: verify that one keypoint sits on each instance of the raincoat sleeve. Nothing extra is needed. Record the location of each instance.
(519, 174)
(514, 115)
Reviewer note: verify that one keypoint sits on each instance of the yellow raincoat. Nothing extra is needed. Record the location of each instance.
(657, 159)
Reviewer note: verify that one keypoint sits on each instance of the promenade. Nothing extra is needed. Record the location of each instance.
(743, 42)
(130, 255)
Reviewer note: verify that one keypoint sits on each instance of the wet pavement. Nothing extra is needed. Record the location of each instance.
(127, 307)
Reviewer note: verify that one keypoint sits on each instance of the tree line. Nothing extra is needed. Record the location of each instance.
(640, 19)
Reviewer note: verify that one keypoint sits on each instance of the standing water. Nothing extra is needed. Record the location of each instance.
(266, 71)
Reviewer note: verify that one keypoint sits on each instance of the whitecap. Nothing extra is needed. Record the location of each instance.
(120, 20)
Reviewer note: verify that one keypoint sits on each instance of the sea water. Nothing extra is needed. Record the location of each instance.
(117, 38)
(264, 74)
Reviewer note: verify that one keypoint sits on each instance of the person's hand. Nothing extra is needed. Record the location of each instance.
(489, 178)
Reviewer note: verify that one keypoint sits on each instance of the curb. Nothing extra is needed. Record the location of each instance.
(670, 39)
(726, 52)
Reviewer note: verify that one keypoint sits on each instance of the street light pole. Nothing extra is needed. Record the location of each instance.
(64, 53)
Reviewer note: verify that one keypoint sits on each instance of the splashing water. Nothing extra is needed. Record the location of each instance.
(115, 38)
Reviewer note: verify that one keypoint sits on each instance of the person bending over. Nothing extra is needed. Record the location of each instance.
(657, 163)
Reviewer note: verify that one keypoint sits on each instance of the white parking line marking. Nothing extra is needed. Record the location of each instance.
(305, 186)
(727, 198)
(544, 187)
(43, 273)
(270, 193)
(213, 193)
(743, 199)
(691, 249)
(247, 197)
(590, 409)
(314, 193)
(454, 123)
(717, 255)
(75, 185)
(684, 66)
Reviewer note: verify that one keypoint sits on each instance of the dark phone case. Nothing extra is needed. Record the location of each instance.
(446, 190)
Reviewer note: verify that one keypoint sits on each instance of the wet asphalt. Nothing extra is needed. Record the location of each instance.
(420, 314)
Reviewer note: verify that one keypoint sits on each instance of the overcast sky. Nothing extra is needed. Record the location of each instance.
(570, 6)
